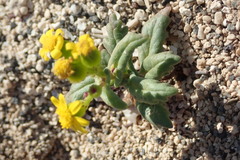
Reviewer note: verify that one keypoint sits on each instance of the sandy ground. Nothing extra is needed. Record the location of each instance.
(205, 113)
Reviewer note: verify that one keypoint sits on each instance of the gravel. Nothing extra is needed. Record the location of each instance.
(205, 113)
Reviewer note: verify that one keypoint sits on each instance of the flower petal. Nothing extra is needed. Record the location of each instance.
(75, 106)
(60, 42)
(42, 38)
(49, 32)
(70, 45)
(77, 127)
(56, 54)
(59, 32)
(62, 99)
(55, 101)
(83, 122)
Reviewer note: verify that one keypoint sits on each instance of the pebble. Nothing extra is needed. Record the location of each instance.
(238, 51)
(24, 11)
(207, 19)
(200, 34)
(139, 2)
(187, 28)
(215, 5)
(47, 14)
(133, 23)
(140, 15)
(218, 18)
(185, 12)
(206, 45)
(231, 37)
(74, 153)
(220, 127)
(200, 2)
(74, 9)
(40, 65)
(82, 26)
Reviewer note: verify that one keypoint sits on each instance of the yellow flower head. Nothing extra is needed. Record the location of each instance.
(70, 115)
(84, 46)
(62, 68)
(51, 43)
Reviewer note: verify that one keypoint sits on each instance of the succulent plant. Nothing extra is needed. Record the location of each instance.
(118, 71)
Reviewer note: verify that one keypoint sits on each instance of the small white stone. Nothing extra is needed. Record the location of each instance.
(40, 66)
(74, 153)
(133, 23)
(200, 34)
(218, 18)
(82, 26)
(207, 19)
(215, 5)
(130, 157)
(24, 11)
(140, 15)
(238, 25)
(206, 45)
(185, 12)
(47, 14)
(140, 2)
(22, 2)
(74, 9)
(207, 30)
(220, 127)
(231, 36)
(200, 1)
(7, 83)
(56, 25)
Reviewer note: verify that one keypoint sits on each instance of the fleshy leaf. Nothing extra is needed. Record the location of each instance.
(105, 56)
(156, 114)
(159, 65)
(116, 31)
(122, 54)
(155, 29)
(149, 91)
(78, 89)
(111, 99)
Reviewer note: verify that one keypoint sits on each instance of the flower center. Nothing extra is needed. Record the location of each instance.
(51, 43)
(62, 68)
(66, 119)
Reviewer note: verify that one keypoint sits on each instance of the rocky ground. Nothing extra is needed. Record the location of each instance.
(205, 113)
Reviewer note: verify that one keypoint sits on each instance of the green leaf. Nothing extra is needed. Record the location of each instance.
(156, 114)
(78, 89)
(159, 65)
(155, 29)
(122, 54)
(105, 56)
(111, 99)
(149, 91)
(116, 31)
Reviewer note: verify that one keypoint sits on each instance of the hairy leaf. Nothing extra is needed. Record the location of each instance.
(105, 56)
(78, 89)
(150, 91)
(116, 31)
(155, 29)
(156, 114)
(111, 99)
(122, 54)
(159, 65)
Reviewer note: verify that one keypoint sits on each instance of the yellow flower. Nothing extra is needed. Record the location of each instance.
(51, 43)
(62, 68)
(84, 46)
(70, 115)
